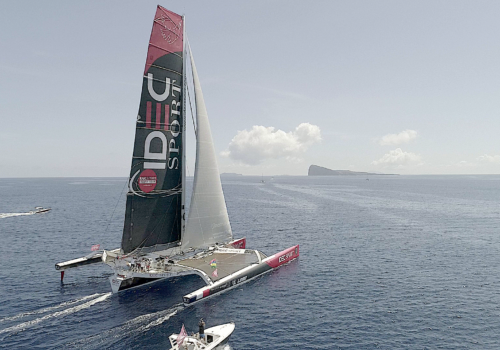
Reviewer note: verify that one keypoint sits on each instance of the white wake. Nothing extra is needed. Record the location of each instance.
(8, 215)
(71, 310)
(137, 325)
(48, 309)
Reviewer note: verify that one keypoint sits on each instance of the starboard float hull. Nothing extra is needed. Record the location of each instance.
(244, 275)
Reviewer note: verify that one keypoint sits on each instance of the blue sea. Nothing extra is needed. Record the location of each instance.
(386, 262)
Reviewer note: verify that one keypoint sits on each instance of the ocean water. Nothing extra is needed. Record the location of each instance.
(387, 262)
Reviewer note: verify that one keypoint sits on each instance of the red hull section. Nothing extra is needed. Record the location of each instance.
(244, 275)
(283, 257)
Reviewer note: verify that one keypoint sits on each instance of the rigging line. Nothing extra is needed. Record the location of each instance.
(192, 114)
(173, 226)
(162, 220)
(141, 245)
(143, 242)
(189, 95)
(117, 201)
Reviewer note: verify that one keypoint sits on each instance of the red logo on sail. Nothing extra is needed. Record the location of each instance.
(147, 180)
(170, 31)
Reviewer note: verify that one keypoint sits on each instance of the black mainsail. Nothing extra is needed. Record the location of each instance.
(153, 215)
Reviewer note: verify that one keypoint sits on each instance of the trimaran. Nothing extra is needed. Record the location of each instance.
(158, 240)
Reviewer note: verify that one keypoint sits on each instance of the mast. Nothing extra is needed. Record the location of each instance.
(184, 164)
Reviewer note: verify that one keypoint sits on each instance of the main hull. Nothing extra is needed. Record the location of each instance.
(120, 282)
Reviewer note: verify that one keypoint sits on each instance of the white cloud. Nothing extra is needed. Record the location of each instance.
(465, 164)
(260, 143)
(398, 158)
(489, 159)
(397, 139)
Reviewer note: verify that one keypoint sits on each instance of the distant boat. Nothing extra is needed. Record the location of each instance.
(160, 238)
(39, 210)
(215, 338)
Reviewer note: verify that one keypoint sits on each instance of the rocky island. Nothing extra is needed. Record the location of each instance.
(230, 174)
(315, 170)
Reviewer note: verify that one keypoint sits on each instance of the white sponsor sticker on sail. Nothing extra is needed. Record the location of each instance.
(231, 251)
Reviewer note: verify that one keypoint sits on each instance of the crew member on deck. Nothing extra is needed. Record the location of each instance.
(201, 326)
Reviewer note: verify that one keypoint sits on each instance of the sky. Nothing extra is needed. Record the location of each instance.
(407, 87)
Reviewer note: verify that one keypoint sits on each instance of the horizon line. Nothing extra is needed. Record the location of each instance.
(238, 175)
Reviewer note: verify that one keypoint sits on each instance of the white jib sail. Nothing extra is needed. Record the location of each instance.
(207, 222)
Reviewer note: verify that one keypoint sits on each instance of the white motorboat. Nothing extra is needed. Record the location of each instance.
(215, 338)
(39, 210)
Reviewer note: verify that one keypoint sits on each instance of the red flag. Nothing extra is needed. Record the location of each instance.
(182, 335)
(215, 273)
(95, 247)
